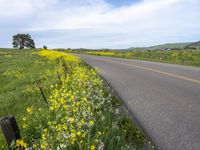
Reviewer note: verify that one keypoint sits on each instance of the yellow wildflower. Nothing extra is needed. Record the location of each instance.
(71, 120)
(78, 133)
(92, 147)
(24, 126)
(24, 118)
(20, 144)
(51, 108)
(29, 110)
(43, 146)
(91, 122)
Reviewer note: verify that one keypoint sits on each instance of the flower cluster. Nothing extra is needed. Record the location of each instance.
(50, 54)
(77, 104)
(19, 144)
(14, 73)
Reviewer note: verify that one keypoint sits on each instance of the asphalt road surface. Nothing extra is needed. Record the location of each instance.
(164, 98)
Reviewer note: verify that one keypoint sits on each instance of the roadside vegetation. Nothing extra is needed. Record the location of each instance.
(183, 57)
(61, 103)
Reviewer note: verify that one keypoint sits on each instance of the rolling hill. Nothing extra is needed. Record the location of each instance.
(170, 45)
(194, 45)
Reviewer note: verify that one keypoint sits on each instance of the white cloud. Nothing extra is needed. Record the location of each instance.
(21, 8)
(144, 23)
(102, 14)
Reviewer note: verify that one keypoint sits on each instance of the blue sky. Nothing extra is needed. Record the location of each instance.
(120, 3)
(100, 23)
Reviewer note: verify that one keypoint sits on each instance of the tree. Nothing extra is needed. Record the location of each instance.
(22, 41)
(44, 47)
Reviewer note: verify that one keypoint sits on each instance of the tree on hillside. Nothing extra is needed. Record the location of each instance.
(22, 41)
(44, 47)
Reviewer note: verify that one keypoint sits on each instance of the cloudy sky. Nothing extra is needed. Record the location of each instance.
(100, 23)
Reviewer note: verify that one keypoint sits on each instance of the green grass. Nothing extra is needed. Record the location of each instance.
(21, 71)
(183, 57)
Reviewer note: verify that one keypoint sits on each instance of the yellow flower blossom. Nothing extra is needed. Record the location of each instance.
(20, 144)
(91, 122)
(92, 147)
(71, 120)
(43, 145)
(78, 133)
(29, 110)
(24, 118)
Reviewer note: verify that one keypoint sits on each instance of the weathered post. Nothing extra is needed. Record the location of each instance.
(41, 91)
(10, 129)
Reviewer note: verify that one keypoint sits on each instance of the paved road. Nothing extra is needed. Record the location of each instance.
(164, 98)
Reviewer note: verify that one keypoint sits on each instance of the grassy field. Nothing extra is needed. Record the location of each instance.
(183, 57)
(19, 72)
(80, 112)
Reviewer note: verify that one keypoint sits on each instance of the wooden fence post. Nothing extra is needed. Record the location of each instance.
(10, 129)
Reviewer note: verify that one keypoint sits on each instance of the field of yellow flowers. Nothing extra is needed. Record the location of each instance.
(184, 57)
(78, 112)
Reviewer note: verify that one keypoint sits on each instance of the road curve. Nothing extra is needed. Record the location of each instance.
(164, 98)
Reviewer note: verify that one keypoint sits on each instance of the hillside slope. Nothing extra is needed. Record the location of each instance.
(170, 45)
(194, 45)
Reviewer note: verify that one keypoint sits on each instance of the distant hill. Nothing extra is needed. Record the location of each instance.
(167, 46)
(170, 46)
(194, 45)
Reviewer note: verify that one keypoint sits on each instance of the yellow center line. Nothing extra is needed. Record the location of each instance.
(158, 71)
